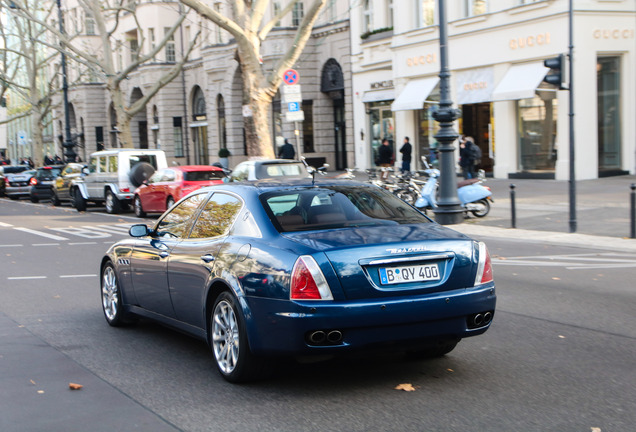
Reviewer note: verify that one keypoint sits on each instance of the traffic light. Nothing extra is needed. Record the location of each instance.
(556, 75)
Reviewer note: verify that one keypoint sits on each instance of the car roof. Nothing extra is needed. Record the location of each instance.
(51, 167)
(126, 150)
(190, 168)
(267, 185)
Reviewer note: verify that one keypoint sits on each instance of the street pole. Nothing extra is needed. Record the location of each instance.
(68, 145)
(572, 181)
(449, 210)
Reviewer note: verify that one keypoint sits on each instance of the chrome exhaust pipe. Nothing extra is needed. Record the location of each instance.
(334, 336)
(478, 320)
(487, 317)
(317, 337)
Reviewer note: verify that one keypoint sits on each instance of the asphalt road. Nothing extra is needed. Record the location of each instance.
(560, 356)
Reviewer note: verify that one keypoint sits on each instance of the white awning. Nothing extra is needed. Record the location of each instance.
(378, 95)
(520, 82)
(414, 94)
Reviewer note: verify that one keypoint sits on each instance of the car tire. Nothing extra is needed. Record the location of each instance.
(485, 208)
(140, 172)
(113, 206)
(433, 351)
(34, 200)
(13, 197)
(139, 211)
(228, 339)
(55, 200)
(169, 202)
(112, 303)
(79, 202)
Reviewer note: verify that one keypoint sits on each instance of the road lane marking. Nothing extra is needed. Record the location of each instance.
(25, 277)
(40, 233)
(81, 243)
(77, 276)
(83, 232)
(13, 245)
(2, 224)
(593, 261)
(45, 244)
(117, 228)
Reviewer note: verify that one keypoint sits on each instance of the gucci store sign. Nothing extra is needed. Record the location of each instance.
(474, 86)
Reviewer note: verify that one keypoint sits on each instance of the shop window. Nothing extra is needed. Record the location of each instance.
(537, 132)
(609, 118)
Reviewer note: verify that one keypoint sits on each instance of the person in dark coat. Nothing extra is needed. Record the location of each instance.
(286, 151)
(466, 157)
(385, 157)
(406, 150)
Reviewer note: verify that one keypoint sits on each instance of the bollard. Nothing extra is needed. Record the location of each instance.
(513, 210)
(633, 211)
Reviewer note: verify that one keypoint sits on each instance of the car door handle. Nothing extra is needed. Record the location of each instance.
(207, 258)
(164, 254)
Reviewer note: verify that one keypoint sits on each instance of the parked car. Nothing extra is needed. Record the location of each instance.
(61, 187)
(269, 169)
(113, 175)
(296, 269)
(167, 186)
(42, 182)
(10, 169)
(18, 183)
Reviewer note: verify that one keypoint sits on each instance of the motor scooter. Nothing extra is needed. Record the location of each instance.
(474, 197)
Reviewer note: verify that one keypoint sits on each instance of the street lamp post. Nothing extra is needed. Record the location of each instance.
(449, 209)
(68, 145)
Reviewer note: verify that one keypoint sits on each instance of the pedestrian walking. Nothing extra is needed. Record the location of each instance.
(286, 151)
(406, 150)
(467, 157)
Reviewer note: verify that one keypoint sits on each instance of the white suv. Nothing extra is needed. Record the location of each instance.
(113, 175)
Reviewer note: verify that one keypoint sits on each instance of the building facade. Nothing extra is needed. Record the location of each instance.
(200, 112)
(496, 53)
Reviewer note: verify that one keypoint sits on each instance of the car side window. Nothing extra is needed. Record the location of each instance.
(101, 161)
(92, 166)
(112, 164)
(156, 177)
(217, 216)
(240, 173)
(177, 223)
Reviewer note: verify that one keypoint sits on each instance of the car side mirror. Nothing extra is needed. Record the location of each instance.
(86, 170)
(139, 230)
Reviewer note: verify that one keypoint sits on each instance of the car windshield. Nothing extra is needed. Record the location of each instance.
(337, 207)
(203, 175)
(280, 170)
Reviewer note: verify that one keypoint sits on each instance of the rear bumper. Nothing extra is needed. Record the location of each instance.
(282, 327)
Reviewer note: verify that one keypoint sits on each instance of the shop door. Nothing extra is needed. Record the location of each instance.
(200, 137)
(476, 123)
(381, 126)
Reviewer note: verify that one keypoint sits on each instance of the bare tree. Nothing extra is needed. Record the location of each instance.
(248, 27)
(108, 15)
(24, 66)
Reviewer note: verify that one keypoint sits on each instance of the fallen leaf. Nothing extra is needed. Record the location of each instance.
(405, 387)
(595, 429)
(56, 296)
(502, 258)
(450, 370)
(556, 278)
(561, 337)
(74, 386)
(40, 391)
(32, 382)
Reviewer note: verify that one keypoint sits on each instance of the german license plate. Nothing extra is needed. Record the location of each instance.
(404, 274)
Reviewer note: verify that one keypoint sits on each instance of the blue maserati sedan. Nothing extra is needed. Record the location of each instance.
(300, 268)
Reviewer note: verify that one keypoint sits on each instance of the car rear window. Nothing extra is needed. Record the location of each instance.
(337, 207)
(47, 173)
(203, 175)
(151, 159)
(280, 170)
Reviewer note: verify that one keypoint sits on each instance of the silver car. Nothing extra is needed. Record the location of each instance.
(18, 185)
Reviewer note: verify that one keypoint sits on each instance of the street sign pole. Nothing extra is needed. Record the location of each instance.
(297, 133)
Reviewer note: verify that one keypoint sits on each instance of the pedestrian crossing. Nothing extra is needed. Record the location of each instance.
(72, 235)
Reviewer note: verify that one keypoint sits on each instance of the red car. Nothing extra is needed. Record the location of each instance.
(166, 186)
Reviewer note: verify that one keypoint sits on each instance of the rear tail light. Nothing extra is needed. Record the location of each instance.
(124, 190)
(484, 268)
(33, 181)
(308, 282)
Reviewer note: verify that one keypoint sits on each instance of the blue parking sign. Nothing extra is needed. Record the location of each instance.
(293, 106)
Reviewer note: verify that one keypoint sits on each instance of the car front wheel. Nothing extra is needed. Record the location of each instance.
(79, 202)
(228, 339)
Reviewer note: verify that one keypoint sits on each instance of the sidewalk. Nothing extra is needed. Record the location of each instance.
(35, 394)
